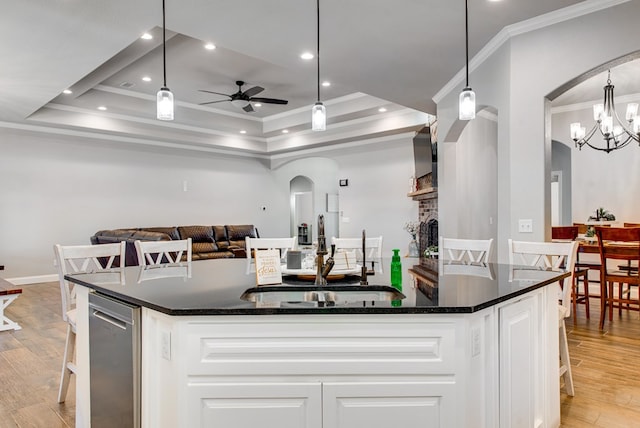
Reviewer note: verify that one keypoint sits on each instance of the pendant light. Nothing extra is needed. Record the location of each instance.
(164, 99)
(467, 102)
(318, 112)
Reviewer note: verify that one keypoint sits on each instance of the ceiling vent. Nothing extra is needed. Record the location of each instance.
(127, 85)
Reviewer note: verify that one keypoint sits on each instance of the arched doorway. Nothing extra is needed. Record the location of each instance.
(302, 217)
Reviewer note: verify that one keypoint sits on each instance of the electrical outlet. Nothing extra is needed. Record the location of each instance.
(525, 225)
(165, 345)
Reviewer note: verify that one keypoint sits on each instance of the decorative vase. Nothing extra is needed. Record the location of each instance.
(413, 247)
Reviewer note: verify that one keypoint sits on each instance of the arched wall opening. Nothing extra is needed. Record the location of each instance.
(596, 179)
(468, 177)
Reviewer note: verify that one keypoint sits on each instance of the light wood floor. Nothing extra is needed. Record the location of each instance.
(605, 372)
(30, 362)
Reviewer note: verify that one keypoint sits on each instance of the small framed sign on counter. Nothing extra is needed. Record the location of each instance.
(268, 269)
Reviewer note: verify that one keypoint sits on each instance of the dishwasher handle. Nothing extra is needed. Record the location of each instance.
(111, 320)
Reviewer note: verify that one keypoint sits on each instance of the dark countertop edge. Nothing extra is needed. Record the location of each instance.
(309, 310)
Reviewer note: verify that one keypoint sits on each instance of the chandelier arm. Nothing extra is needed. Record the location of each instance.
(624, 125)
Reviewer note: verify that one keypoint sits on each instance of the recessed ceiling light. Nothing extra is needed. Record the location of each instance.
(102, 108)
(146, 78)
(326, 83)
(210, 46)
(306, 55)
(257, 104)
(382, 109)
(67, 92)
(146, 36)
(285, 131)
(243, 132)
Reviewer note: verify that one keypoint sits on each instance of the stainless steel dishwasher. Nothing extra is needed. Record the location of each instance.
(114, 346)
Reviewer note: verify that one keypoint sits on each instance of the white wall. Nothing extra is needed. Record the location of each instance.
(599, 179)
(376, 198)
(515, 80)
(54, 189)
(323, 172)
(473, 167)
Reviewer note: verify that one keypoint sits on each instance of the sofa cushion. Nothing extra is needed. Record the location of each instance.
(114, 235)
(203, 247)
(220, 236)
(171, 231)
(196, 233)
(237, 233)
(146, 235)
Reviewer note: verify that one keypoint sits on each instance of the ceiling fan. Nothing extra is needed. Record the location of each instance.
(244, 99)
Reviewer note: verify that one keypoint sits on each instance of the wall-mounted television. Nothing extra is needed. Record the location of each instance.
(425, 153)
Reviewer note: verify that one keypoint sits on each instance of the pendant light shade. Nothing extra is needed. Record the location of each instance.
(164, 98)
(318, 117)
(318, 112)
(164, 103)
(467, 104)
(467, 101)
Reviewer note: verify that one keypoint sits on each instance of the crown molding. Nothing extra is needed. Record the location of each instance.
(155, 122)
(133, 94)
(131, 140)
(342, 146)
(510, 31)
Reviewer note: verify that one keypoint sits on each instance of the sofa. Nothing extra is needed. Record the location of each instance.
(207, 242)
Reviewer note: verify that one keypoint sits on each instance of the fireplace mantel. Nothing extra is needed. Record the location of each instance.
(424, 194)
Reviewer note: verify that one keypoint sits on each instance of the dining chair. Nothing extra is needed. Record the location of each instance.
(282, 244)
(163, 252)
(552, 255)
(469, 250)
(570, 233)
(372, 248)
(616, 244)
(76, 259)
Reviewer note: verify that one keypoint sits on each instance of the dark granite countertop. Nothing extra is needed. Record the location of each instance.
(215, 287)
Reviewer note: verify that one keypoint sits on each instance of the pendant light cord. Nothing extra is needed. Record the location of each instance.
(164, 46)
(318, 45)
(466, 36)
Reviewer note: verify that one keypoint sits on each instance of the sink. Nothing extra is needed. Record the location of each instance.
(327, 295)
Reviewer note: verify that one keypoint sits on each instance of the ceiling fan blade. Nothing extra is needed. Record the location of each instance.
(253, 91)
(216, 93)
(269, 100)
(248, 108)
(213, 102)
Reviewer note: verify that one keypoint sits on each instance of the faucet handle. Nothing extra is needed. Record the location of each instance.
(333, 249)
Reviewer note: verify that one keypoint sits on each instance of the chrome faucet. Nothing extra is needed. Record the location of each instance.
(323, 268)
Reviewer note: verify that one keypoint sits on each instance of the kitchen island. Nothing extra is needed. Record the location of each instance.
(481, 352)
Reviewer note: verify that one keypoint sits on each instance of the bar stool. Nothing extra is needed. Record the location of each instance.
(570, 233)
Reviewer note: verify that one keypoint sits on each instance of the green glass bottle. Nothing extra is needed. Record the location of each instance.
(396, 275)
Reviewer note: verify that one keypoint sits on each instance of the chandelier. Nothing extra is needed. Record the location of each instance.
(616, 133)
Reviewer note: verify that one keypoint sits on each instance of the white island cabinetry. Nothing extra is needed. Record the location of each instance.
(413, 370)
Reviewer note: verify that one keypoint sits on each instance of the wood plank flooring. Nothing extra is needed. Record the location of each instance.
(30, 362)
(604, 367)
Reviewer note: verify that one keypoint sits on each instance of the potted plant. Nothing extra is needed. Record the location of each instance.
(602, 215)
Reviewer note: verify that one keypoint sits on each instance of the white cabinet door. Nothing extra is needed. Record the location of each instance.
(520, 363)
(389, 405)
(251, 405)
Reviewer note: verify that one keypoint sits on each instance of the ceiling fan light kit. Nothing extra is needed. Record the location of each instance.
(318, 111)
(467, 100)
(164, 98)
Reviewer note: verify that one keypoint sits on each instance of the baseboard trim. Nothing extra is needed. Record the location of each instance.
(23, 280)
